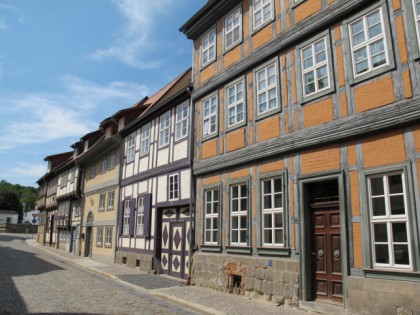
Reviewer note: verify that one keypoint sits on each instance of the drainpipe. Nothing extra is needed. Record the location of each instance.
(192, 185)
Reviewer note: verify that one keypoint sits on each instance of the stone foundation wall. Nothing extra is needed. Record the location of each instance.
(142, 261)
(273, 279)
(377, 296)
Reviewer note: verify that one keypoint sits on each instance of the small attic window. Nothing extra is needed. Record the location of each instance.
(86, 146)
(121, 123)
(108, 133)
(75, 153)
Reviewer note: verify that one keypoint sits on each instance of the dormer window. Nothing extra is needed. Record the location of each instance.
(86, 146)
(49, 166)
(121, 123)
(108, 133)
(75, 153)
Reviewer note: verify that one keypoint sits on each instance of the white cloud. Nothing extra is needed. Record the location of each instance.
(3, 24)
(40, 117)
(24, 170)
(135, 39)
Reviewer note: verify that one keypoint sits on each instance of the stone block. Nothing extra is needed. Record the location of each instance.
(355, 283)
(278, 288)
(249, 284)
(385, 286)
(293, 278)
(258, 285)
(259, 273)
(267, 287)
(279, 276)
(251, 272)
(269, 275)
(293, 266)
(280, 265)
(278, 299)
(288, 291)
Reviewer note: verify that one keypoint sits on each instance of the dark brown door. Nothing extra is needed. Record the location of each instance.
(326, 253)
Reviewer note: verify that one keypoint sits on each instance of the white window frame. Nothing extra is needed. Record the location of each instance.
(102, 201)
(181, 120)
(316, 66)
(230, 26)
(145, 139)
(140, 216)
(99, 236)
(173, 187)
(239, 214)
(126, 218)
(210, 112)
(388, 218)
(266, 89)
(211, 217)
(233, 102)
(108, 236)
(368, 42)
(110, 200)
(272, 211)
(164, 129)
(86, 146)
(208, 47)
(256, 9)
(131, 147)
(112, 159)
(104, 161)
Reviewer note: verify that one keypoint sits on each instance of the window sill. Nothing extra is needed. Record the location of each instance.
(244, 250)
(273, 251)
(211, 248)
(402, 275)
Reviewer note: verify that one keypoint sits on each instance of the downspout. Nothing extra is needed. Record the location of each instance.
(80, 194)
(192, 184)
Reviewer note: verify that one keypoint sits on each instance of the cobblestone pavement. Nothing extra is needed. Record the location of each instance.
(32, 282)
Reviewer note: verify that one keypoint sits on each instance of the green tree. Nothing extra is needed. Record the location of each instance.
(10, 201)
(27, 195)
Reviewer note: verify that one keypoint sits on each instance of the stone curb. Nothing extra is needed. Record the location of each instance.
(193, 306)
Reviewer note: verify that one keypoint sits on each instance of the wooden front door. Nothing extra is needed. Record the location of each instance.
(326, 253)
(175, 242)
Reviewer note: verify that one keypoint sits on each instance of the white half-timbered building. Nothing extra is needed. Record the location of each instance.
(155, 200)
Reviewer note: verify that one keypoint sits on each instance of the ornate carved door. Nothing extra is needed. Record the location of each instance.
(326, 253)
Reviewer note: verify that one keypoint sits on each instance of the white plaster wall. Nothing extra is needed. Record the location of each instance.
(185, 184)
(162, 189)
(163, 156)
(181, 150)
(142, 187)
(144, 164)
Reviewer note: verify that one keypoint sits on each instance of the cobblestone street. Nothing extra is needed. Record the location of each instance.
(32, 282)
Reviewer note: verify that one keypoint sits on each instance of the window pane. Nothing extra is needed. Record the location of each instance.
(373, 18)
(243, 222)
(378, 206)
(268, 236)
(376, 186)
(216, 236)
(268, 221)
(208, 234)
(397, 205)
(243, 236)
(234, 205)
(216, 208)
(401, 254)
(267, 202)
(278, 201)
(395, 184)
(243, 190)
(358, 38)
(215, 223)
(234, 236)
(382, 255)
(380, 231)
(235, 192)
(215, 195)
(379, 60)
(279, 237)
(399, 232)
(244, 205)
(234, 222)
(208, 208)
(278, 217)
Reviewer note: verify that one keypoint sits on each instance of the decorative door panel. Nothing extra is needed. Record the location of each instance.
(175, 242)
(326, 254)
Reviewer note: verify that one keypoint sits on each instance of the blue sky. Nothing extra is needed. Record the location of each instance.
(66, 65)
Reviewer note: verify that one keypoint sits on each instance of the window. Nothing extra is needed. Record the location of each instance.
(108, 133)
(86, 146)
(266, 85)
(108, 236)
(164, 124)
(233, 28)
(208, 47)
(272, 212)
(145, 139)
(77, 208)
(262, 12)
(181, 125)
(315, 67)
(103, 164)
(211, 216)
(126, 218)
(239, 214)
(110, 200)
(235, 98)
(368, 43)
(173, 186)
(140, 216)
(389, 223)
(99, 236)
(210, 116)
(131, 147)
(112, 157)
(102, 201)
(416, 4)
(93, 170)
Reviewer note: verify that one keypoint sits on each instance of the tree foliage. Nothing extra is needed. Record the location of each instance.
(10, 201)
(26, 195)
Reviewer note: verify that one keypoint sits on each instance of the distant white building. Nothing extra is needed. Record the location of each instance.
(5, 215)
(31, 217)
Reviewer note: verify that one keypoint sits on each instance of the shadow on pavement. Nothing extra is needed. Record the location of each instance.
(150, 282)
(16, 263)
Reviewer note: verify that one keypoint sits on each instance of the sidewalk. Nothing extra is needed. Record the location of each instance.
(200, 299)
